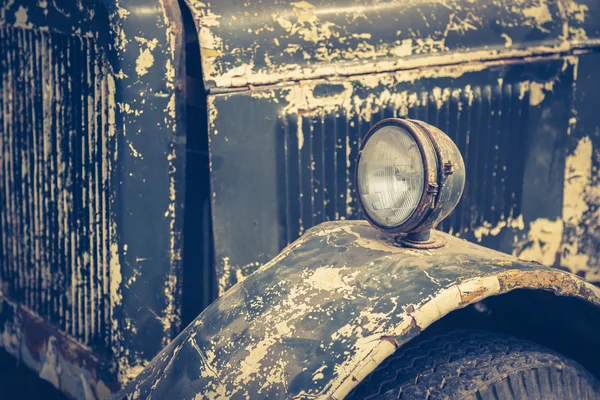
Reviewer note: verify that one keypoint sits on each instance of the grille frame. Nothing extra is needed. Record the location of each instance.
(144, 215)
(67, 172)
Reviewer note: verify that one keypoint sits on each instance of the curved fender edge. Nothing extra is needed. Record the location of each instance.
(318, 318)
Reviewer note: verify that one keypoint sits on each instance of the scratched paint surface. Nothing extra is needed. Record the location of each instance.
(327, 310)
(267, 42)
(303, 117)
(57, 231)
(91, 184)
(503, 116)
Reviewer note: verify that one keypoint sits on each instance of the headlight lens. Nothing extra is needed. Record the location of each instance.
(391, 176)
(410, 175)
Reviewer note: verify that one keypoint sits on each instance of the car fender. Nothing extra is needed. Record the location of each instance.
(318, 318)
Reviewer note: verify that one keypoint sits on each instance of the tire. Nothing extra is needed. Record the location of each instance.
(477, 365)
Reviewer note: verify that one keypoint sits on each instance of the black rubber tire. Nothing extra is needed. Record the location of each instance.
(477, 365)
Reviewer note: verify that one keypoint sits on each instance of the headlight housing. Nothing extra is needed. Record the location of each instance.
(410, 175)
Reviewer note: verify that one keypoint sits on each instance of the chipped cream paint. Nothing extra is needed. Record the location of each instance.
(508, 40)
(578, 175)
(300, 133)
(134, 152)
(49, 353)
(81, 299)
(540, 13)
(487, 229)
(85, 275)
(145, 60)
(537, 91)
(51, 369)
(328, 279)
(225, 276)
(370, 353)
(308, 26)
(269, 318)
(21, 18)
(544, 239)
(117, 19)
(245, 75)
(305, 22)
(578, 194)
(210, 45)
(132, 372)
(300, 98)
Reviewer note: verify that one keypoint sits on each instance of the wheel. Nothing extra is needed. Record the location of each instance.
(477, 365)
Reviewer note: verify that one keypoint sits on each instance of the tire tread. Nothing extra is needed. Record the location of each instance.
(476, 365)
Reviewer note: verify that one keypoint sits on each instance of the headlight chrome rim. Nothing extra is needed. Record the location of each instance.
(430, 169)
(444, 180)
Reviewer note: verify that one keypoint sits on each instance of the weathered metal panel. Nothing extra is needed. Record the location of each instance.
(58, 157)
(579, 251)
(266, 42)
(299, 146)
(92, 136)
(324, 313)
(55, 355)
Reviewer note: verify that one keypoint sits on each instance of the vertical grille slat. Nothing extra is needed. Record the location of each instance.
(58, 150)
(488, 123)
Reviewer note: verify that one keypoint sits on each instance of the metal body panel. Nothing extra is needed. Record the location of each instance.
(290, 164)
(579, 251)
(269, 42)
(91, 200)
(501, 79)
(325, 312)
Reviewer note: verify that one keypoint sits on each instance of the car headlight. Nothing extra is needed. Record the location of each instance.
(410, 176)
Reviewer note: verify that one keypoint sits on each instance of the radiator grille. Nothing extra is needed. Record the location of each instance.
(488, 123)
(58, 149)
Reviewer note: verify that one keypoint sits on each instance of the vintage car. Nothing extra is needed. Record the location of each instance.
(157, 155)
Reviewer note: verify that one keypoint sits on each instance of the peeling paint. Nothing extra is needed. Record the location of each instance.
(488, 230)
(21, 18)
(328, 279)
(580, 191)
(320, 42)
(539, 13)
(537, 92)
(73, 227)
(578, 174)
(334, 321)
(145, 60)
(543, 241)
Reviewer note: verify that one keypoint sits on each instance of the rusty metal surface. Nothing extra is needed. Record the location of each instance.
(92, 136)
(54, 355)
(319, 317)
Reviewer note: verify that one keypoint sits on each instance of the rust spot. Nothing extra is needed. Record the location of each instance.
(38, 334)
(36, 338)
(532, 279)
(413, 322)
(557, 281)
(391, 339)
(469, 297)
